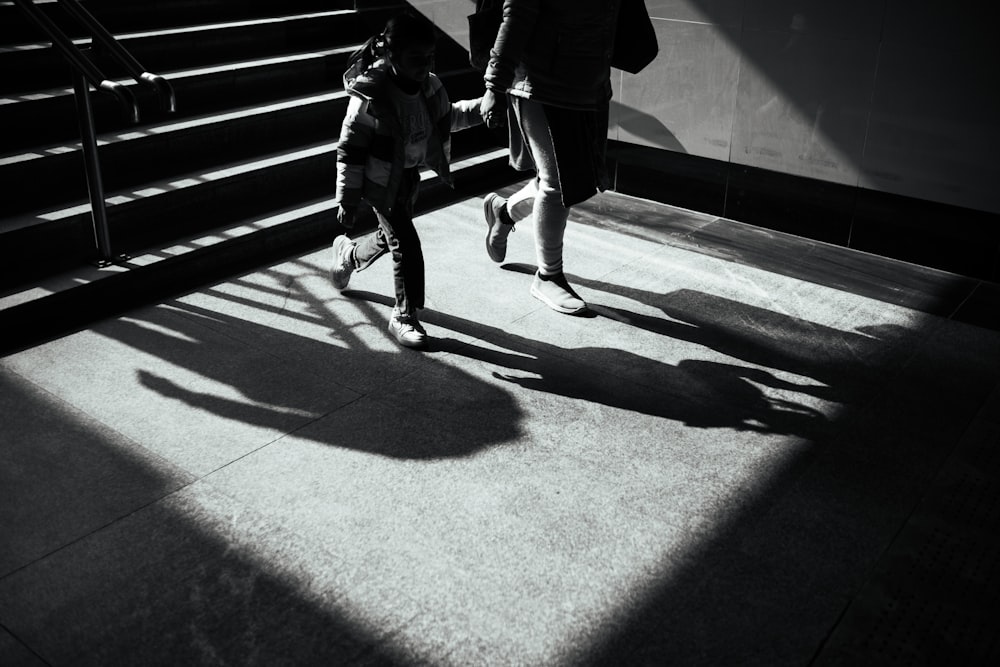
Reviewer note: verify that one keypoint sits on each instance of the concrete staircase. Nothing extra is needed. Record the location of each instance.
(241, 174)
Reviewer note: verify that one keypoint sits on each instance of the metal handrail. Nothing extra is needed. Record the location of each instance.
(80, 63)
(86, 74)
(135, 70)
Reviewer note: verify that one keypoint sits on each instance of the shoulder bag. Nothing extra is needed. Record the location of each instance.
(635, 38)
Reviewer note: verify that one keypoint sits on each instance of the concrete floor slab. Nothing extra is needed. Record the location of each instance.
(17, 654)
(718, 451)
(192, 579)
(522, 561)
(64, 474)
(183, 390)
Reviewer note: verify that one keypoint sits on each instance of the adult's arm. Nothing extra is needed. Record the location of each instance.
(516, 28)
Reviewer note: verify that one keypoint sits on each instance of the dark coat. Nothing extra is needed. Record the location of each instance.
(557, 52)
(370, 152)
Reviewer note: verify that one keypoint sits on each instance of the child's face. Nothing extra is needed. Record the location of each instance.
(413, 62)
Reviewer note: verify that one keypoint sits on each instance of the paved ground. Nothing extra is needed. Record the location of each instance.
(746, 455)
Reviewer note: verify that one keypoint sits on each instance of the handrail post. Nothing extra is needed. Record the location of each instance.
(86, 73)
(95, 185)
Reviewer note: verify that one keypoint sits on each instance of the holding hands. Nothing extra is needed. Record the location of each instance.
(493, 108)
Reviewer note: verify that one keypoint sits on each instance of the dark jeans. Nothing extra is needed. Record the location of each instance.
(398, 235)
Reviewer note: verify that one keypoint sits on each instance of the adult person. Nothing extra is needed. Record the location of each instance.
(548, 78)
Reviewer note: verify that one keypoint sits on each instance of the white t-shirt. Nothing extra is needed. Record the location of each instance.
(416, 124)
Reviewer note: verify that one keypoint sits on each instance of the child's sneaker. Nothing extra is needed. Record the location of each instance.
(407, 329)
(496, 234)
(554, 291)
(343, 261)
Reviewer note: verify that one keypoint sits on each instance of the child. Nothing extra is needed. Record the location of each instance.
(399, 118)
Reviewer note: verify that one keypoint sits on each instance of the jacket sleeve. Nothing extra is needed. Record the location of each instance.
(352, 152)
(519, 18)
(465, 114)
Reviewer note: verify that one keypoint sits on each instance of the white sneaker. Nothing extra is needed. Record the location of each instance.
(556, 293)
(343, 261)
(407, 329)
(497, 230)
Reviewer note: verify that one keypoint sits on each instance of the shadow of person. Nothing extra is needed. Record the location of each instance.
(695, 393)
(847, 364)
(309, 387)
(700, 394)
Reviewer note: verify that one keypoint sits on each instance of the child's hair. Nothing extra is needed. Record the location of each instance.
(401, 31)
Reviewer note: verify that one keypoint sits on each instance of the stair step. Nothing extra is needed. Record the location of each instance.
(179, 202)
(37, 66)
(165, 209)
(178, 144)
(54, 173)
(51, 117)
(129, 16)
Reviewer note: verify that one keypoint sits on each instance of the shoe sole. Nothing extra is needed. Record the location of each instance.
(535, 292)
(413, 345)
(490, 221)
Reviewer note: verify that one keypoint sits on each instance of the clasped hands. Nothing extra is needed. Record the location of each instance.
(493, 108)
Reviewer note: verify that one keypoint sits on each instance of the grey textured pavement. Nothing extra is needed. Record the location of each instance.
(711, 468)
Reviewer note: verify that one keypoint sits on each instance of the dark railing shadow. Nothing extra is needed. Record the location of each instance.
(698, 393)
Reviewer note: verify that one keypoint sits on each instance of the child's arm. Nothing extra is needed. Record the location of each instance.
(465, 114)
(352, 153)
